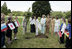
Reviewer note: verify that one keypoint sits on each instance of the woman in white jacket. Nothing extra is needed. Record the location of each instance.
(43, 20)
(36, 24)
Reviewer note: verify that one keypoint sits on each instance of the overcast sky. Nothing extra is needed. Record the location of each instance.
(24, 5)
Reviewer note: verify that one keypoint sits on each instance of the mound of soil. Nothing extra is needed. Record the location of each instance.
(38, 36)
(41, 36)
(27, 37)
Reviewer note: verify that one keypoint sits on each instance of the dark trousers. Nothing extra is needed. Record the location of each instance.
(62, 39)
(2, 39)
(68, 43)
(32, 28)
(9, 34)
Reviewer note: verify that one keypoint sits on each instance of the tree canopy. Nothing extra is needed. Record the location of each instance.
(4, 9)
(41, 7)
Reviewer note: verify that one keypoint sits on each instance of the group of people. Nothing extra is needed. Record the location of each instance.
(8, 32)
(39, 25)
(63, 29)
(44, 25)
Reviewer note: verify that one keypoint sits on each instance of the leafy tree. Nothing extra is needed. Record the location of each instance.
(28, 14)
(41, 7)
(4, 8)
(9, 11)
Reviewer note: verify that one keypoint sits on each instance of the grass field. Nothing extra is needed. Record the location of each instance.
(51, 42)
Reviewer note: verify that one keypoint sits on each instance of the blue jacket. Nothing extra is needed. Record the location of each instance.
(61, 26)
(68, 28)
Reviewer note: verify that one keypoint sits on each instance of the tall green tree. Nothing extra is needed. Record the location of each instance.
(4, 8)
(9, 11)
(28, 14)
(41, 7)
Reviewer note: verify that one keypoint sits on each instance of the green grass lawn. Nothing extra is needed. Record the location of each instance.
(51, 42)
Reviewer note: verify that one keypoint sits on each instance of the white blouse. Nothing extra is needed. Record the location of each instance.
(32, 21)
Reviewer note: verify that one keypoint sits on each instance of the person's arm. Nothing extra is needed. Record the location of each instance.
(51, 23)
(61, 26)
(54, 23)
(69, 32)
